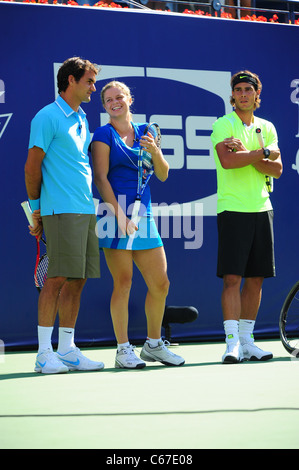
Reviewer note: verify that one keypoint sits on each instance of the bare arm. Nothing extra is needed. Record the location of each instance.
(233, 154)
(161, 166)
(33, 172)
(33, 180)
(234, 157)
(269, 167)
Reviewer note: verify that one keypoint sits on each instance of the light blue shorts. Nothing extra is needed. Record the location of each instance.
(145, 238)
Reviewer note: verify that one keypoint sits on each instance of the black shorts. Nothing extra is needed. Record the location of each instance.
(245, 244)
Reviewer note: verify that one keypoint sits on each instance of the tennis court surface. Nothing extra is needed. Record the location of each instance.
(201, 405)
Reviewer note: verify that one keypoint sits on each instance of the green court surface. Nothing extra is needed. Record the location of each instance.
(201, 405)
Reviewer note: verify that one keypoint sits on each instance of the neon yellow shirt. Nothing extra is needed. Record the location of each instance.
(242, 189)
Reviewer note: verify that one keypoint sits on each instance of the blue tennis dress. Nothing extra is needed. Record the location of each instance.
(123, 176)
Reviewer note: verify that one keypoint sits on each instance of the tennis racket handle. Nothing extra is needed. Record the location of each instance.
(28, 212)
(135, 212)
(260, 137)
(262, 145)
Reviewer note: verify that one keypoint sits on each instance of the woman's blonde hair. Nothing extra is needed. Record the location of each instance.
(115, 84)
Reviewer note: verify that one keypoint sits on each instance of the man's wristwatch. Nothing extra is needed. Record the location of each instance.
(266, 152)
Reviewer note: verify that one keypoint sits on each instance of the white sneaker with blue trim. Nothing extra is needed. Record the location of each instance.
(75, 360)
(48, 363)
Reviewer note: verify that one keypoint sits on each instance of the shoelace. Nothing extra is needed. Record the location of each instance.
(164, 347)
(129, 350)
(50, 357)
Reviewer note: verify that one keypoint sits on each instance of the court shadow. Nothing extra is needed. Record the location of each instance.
(147, 369)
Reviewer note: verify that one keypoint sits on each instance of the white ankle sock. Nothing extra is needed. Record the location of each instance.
(65, 340)
(153, 342)
(231, 328)
(44, 334)
(122, 345)
(246, 331)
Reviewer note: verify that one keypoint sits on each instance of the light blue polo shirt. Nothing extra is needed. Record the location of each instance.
(64, 136)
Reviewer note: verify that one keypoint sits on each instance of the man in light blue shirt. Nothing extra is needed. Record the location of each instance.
(65, 167)
(58, 182)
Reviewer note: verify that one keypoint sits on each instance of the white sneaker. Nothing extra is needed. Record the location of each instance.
(252, 353)
(161, 354)
(48, 363)
(75, 360)
(127, 359)
(233, 353)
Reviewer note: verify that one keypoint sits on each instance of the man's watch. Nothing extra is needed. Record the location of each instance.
(266, 153)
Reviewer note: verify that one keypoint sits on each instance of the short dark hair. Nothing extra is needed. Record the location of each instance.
(74, 66)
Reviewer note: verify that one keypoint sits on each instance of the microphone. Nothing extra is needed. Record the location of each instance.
(179, 315)
(175, 314)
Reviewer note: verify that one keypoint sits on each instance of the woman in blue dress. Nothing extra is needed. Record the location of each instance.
(114, 150)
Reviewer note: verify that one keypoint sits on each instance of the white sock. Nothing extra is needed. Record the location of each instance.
(153, 342)
(65, 340)
(44, 334)
(122, 345)
(246, 331)
(231, 328)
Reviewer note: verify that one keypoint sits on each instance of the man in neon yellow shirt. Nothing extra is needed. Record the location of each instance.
(244, 165)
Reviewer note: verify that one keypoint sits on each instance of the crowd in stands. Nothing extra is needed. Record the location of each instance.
(246, 10)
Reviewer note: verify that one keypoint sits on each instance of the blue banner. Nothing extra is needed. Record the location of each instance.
(178, 68)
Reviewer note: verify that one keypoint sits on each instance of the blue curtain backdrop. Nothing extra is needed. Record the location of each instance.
(178, 67)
